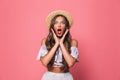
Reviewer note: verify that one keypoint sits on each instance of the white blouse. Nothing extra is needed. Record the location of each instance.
(58, 57)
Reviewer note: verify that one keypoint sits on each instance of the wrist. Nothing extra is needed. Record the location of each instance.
(61, 44)
(57, 44)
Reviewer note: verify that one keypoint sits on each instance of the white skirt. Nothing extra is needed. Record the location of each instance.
(57, 76)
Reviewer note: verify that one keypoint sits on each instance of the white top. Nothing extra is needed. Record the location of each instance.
(58, 57)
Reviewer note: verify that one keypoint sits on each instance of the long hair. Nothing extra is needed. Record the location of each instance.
(50, 42)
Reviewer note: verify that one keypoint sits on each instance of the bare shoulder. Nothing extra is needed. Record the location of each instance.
(43, 41)
(74, 42)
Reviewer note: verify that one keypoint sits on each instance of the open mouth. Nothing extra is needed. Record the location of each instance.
(59, 31)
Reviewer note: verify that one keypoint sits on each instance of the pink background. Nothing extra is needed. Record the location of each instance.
(96, 27)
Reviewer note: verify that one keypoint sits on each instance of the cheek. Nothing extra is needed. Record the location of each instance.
(63, 28)
(55, 29)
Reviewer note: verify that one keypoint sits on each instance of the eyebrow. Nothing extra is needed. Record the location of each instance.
(60, 22)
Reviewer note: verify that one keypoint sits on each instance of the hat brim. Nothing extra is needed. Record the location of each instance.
(59, 12)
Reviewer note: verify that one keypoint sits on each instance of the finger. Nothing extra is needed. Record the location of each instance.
(65, 32)
(52, 31)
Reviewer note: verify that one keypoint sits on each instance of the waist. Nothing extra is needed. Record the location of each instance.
(57, 70)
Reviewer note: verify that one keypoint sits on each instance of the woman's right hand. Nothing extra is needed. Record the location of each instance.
(57, 40)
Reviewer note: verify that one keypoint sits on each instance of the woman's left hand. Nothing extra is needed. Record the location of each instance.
(62, 39)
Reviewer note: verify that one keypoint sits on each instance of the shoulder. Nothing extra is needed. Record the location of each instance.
(43, 41)
(74, 42)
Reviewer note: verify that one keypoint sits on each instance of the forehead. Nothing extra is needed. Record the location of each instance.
(59, 18)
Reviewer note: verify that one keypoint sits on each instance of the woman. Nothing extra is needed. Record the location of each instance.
(58, 51)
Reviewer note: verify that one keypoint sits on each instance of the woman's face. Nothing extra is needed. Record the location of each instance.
(59, 26)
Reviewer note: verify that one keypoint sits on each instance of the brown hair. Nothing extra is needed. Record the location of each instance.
(50, 43)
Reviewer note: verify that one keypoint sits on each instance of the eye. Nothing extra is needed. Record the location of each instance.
(56, 22)
(63, 22)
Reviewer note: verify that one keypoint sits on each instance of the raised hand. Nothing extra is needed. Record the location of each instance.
(63, 37)
(57, 40)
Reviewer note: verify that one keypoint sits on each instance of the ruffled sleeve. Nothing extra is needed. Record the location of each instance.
(75, 53)
(42, 51)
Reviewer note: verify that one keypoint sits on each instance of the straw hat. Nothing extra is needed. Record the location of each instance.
(57, 12)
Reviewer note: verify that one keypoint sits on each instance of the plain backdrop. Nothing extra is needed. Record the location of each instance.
(96, 28)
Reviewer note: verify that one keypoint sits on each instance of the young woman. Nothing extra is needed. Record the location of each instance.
(58, 50)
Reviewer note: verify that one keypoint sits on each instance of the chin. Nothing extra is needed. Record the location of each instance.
(60, 36)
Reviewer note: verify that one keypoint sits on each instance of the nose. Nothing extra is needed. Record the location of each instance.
(59, 24)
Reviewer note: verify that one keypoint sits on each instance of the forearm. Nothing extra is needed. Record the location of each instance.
(47, 58)
(68, 58)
